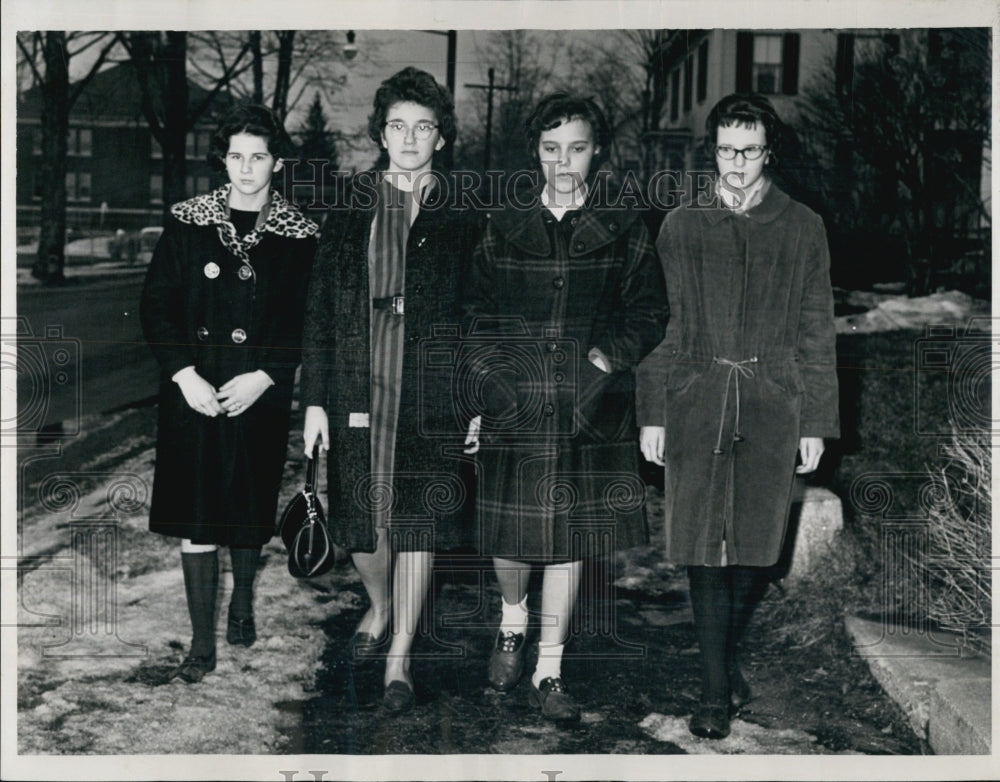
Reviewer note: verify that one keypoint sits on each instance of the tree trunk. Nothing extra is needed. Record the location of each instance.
(175, 120)
(282, 81)
(258, 67)
(51, 258)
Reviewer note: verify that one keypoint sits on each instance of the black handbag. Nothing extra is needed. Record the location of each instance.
(303, 530)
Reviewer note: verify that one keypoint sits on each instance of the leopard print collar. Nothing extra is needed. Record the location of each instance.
(278, 216)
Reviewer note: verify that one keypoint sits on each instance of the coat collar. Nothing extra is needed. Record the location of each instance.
(775, 202)
(522, 223)
(278, 216)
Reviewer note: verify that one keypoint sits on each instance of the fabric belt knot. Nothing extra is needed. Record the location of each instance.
(392, 303)
(737, 369)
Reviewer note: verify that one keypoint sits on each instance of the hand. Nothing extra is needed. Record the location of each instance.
(240, 392)
(316, 426)
(198, 392)
(472, 438)
(810, 449)
(651, 439)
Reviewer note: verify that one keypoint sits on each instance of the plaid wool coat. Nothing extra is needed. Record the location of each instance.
(557, 465)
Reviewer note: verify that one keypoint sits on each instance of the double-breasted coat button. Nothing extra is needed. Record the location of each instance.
(559, 377)
(613, 227)
(579, 247)
(558, 283)
(552, 347)
(202, 333)
(212, 270)
(549, 410)
(239, 335)
(245, 272)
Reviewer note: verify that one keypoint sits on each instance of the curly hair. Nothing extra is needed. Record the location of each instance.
(744, 110)
(256, 120)
(559, 107)
(412, 85)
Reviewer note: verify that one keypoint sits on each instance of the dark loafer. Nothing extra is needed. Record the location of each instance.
(710, 721)
(739, 691)
(555, 703)
(506, 661)
(194, 668)
(241, 632)
(363, 646)
(398, 697)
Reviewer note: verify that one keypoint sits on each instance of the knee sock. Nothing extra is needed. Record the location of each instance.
(245, 561)
(549, 662)
(514, 616)
(710, 604)
(747, 585)
(201, 582)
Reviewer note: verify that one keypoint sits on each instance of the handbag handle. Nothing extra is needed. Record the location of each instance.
(311, 469)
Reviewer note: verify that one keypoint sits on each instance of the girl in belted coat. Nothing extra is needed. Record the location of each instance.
(222, 312)
(565, 298)
(744, 381)
(384, 289)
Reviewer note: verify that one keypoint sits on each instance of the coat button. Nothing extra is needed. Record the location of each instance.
(573, 221)
(579, 247)
(549, 410)
(558, 283)
(211, 270)
(552, 347)
(418, 288)
(613, 227)
(559, 377)
(239, 335)
(245, 272)
(202, 333)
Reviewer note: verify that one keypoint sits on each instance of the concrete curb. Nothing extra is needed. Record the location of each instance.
(946, 696)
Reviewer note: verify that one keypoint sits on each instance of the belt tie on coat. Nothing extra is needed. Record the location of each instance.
(737, 369)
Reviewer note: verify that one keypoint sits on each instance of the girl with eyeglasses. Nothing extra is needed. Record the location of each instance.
(386, 275)
(743, 386)
(565, 297)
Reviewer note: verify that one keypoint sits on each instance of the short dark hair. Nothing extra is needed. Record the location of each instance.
(559, 107)
(256, 120)
(412, 85)
(744, 110)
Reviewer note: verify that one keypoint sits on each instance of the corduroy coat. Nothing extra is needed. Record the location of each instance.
(746, 369)
(428, 495)
(558, 470)
(217, 479)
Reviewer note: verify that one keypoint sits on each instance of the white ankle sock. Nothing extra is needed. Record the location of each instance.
(514, 616)
(549, 662)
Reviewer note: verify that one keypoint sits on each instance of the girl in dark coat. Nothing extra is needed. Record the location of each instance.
(386, 277)
(565, 298)
(222, 311)
(743, 382)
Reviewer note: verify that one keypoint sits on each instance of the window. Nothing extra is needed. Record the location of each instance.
(156, 188)
(767, 63)
(675, 92)
(77, 186)
(688, 78)
(703, 71)
(196, 143)
(36, 141)
(155, 150)
(80, 142)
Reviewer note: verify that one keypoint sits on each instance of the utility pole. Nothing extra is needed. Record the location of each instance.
(490, 87)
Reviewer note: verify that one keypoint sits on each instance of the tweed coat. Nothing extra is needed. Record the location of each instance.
(427, 496)
(746, 369)
(217, 479)
(558, 468)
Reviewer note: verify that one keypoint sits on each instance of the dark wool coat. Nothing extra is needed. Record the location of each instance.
(558, 470)
(428, 494)
(747, 368)
(217, 479)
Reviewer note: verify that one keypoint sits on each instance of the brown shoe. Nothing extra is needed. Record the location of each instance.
(506, 661)
(555, 703)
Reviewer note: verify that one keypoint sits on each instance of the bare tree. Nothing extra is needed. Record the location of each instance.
(47, 56)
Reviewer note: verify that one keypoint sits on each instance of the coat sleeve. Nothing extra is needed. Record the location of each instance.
(163, 305)
(318, 334)
(643, 301)
(817, 346)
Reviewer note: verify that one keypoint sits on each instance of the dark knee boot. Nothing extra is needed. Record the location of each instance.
(201, 582)
(240, 627)
(748, 585)
(710, 604)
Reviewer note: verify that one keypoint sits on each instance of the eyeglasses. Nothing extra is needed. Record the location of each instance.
(422, 130)
(728, 152)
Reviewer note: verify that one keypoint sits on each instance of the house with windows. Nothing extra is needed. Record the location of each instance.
(114, 175)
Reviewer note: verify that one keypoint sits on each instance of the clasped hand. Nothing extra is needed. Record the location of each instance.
(234, 398)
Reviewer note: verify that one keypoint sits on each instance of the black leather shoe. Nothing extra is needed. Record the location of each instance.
(506, 661)
(710, 721)
(740, 693)
(555, 703)
(398, 697)
(363, 647)
(241, 632)
(194, 668)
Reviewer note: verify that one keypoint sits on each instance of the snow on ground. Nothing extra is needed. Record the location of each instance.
(889, 312)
